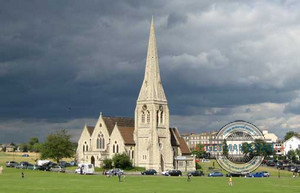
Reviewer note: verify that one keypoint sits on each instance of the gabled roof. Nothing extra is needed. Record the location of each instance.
(182, 144)
(90, 129)
(174, 141)
(121, 122)
(127, 134)
(292, 138)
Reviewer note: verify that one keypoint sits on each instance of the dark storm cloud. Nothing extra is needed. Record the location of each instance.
(176, 18)
(62, 62)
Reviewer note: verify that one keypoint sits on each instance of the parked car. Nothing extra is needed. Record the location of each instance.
(57, 168)
(64, 164)
(286, 163)
(149, 172)
(234, 175)
(32, 167)
(175, 173)
(72, 163)
(245, 172)
(266, 173)
(215, 174)
(271, 163)
(22, 165)
(292, 168)
(165, 173)
(296, 161)
(44, 168)
(257, 175)
(196, 173)
(115, 171)
(11, 164)
(280, 166)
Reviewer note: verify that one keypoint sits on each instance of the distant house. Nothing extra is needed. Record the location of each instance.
(291, 144)
(7, 148)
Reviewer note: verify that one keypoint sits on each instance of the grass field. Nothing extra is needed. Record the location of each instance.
(39, 181)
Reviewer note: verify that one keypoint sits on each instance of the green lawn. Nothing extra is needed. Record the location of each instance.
(39, 181)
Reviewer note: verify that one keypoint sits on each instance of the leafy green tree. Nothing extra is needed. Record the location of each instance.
(37, 147)
(32, 141)
(199, 151)
(292, 155)
(122, 161)
(58, 146)
(262, 148)
(23, 147)
(289, 134)
(246, 148)
(225, 148)
(298, 151)
(107, 163)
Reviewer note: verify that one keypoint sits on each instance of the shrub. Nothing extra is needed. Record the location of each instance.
(122, 161)
(107, 164)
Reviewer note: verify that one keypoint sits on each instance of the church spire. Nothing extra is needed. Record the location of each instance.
(152, 87)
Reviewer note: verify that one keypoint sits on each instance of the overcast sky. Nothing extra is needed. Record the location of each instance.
(64, 62)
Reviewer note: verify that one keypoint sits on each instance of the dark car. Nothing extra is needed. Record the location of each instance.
(280, 166)
(286, 163)
(196, 173)
(22, 165)
(149, 172)
(271, 163)
(64, 164)
(234, 175)
(175, 173)
(44, 168)
(215, 174)
(32, 167)
(291, 168)
(296, 161)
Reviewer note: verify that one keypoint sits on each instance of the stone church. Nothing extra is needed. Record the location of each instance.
(147, 138)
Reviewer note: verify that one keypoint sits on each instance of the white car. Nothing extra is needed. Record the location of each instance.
(165, 173)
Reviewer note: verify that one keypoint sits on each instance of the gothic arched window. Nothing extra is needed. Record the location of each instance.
(115, 147)
(143, 117)
(100, 141)
(148, 116)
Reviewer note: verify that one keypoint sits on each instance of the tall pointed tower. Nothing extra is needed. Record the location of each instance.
(152, 135)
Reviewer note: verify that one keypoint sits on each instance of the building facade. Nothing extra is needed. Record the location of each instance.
(292, 143)
(147, 139)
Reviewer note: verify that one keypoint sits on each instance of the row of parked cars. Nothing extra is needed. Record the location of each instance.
(211, 174)
(47, 166)
(284, 165)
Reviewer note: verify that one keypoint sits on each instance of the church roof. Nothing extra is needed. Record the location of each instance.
(121, 122)
(182, 144)
(127, 134)
(90, 129)
(174, 141)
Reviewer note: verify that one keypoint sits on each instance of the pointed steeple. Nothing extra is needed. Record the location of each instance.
(152, 89)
